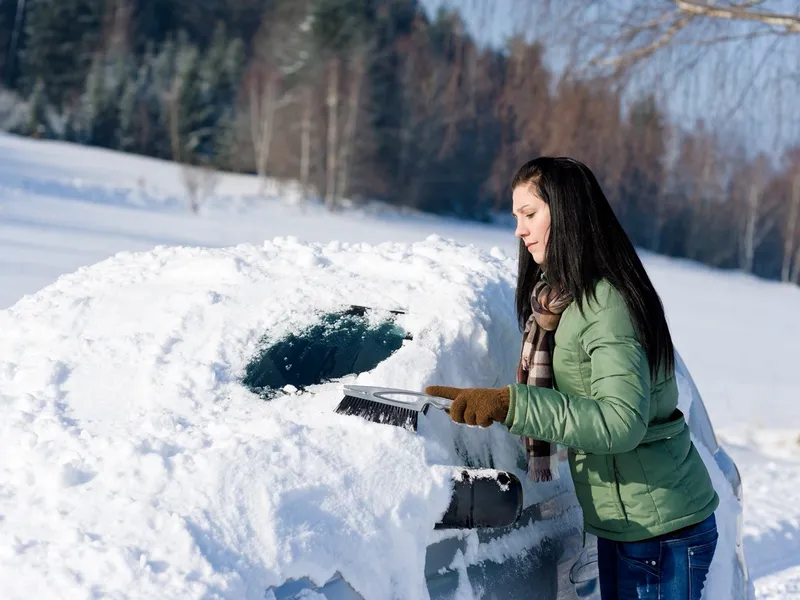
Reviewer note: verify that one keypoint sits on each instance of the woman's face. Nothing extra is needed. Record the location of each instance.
(533, 220)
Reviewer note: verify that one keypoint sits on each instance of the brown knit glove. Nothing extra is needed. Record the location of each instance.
(474, 406)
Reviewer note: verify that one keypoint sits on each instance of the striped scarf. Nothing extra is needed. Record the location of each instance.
(536, 368)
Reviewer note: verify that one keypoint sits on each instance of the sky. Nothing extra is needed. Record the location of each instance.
(752, 97)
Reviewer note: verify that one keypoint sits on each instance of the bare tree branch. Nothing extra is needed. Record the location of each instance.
(639, 53)
(200, 183)
(685, 13)
(751, 35)
(740, 13)
(752, 81)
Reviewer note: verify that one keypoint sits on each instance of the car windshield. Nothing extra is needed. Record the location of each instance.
(348, 342)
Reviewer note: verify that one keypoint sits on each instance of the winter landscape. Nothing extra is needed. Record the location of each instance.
(184, 183)
(107, 294)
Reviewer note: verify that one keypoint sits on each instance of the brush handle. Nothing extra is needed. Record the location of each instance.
(399, 398)
(439, 402)
(423, 399)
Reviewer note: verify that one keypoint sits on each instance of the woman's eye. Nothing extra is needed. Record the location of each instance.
(530, 215)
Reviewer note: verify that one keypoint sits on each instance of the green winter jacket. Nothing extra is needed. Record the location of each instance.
(636, 471)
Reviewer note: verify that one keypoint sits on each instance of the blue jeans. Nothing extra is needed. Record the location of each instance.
(672, 566)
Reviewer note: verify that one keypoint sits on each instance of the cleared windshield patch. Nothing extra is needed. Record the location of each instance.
(340, 344)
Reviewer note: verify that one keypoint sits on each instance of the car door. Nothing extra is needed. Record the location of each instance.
(541, 557)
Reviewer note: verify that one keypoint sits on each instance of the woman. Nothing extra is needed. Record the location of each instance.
(596, 374)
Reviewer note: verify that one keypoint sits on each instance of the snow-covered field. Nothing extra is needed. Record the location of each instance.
(186, 318)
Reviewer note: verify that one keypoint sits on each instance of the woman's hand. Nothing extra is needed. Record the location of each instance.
(474, 406)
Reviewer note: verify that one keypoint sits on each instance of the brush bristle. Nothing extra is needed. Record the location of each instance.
(378, 412)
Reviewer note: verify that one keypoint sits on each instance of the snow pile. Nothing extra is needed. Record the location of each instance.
(134, 463)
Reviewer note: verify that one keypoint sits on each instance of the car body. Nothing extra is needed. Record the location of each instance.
(552, 558)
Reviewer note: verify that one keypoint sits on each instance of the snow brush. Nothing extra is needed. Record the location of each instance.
(389, 406)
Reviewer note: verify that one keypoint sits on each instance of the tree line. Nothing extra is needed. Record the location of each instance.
(377, 99)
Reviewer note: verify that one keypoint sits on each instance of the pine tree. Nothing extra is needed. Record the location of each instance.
(98, 111)
(156, 84)
(341, 25)
(60, 38)
(129, 100)
(9, 42)
(220, 74)
(187, 112)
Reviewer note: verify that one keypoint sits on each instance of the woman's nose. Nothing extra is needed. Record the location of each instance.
(521, 230)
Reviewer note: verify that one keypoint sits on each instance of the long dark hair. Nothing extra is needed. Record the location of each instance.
(587, 243)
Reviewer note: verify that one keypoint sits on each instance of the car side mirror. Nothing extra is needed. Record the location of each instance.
(483, 498)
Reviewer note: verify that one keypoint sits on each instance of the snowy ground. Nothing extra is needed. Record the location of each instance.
(64, 207)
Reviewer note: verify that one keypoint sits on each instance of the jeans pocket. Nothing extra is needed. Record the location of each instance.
(647, 562)
(700, 556)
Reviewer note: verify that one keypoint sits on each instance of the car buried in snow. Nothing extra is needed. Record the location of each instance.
(493, 539)
(169, 430)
